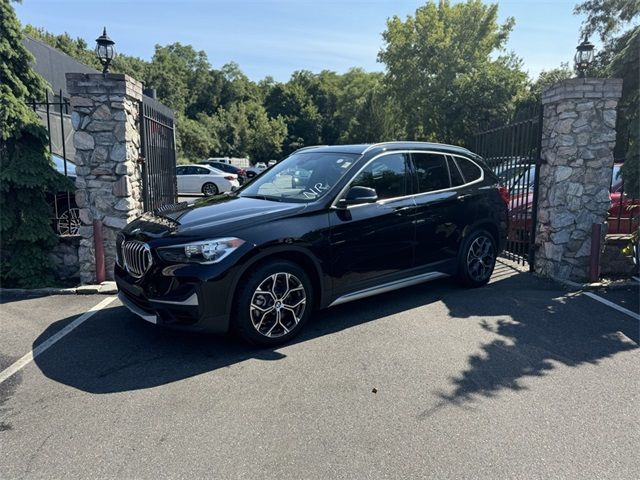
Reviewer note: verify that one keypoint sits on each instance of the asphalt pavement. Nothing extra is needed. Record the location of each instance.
(518, 379)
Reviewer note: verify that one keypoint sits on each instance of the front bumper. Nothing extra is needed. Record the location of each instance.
(182, 302)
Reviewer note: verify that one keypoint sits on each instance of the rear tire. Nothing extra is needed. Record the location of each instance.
(476, 259)
(209, 189)
(272, 304)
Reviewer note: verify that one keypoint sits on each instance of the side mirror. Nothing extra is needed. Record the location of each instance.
(358, 195)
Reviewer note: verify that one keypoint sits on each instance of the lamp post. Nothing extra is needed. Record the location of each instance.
(583, 57)
(105, 51)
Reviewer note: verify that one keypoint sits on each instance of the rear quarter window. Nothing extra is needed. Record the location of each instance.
(470, 171)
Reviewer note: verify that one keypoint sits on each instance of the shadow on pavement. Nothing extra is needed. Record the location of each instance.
(543, 326)
(114, 351)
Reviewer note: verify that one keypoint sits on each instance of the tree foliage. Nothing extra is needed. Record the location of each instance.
(443, 82)
(447, 69)
(26, 171)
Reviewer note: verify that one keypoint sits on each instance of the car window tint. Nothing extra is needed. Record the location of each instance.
(180, 171)
(201, 171)
(386, 174)
(470, 170)
(432, 172)
(456, 176)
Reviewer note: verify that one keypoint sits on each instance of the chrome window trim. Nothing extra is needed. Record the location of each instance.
(414, 195)
(475, 163)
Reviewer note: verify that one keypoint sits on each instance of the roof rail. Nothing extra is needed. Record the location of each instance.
(374, 145)
(308, 148)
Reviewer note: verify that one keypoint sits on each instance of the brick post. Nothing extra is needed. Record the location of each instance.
(104, 115)
(578, 137)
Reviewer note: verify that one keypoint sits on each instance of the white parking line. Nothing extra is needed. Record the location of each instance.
(25, 360)
(612, 305)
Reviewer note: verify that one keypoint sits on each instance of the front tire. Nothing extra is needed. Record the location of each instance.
(209, 189)
(476, 259)
(272, 304)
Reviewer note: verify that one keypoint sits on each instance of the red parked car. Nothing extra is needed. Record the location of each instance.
(623, 213)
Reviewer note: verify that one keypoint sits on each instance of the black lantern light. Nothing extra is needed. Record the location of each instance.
(105, 51)
(584, 57)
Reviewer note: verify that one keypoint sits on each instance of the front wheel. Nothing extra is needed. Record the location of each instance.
(273, 304)
(476, 259)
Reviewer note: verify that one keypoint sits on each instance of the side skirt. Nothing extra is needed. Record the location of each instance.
(388, 287)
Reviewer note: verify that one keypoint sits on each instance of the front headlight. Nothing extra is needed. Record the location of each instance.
(205, 251)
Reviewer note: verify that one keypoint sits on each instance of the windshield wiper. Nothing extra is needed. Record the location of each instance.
(264, 197)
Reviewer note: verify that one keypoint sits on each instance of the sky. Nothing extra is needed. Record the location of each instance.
(278, 37)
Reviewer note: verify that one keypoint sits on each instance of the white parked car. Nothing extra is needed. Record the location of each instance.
(257, 169)
(204, 179)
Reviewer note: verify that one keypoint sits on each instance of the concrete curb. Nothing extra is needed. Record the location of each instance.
(105, 288)
(609, 284)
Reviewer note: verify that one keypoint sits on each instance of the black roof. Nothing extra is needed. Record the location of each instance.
(52, 64)
(362, 148)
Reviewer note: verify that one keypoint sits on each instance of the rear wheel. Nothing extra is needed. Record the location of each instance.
(477, 259)
(209, 189)
(273, 304)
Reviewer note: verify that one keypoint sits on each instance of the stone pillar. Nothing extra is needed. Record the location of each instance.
(104, 115)
(578, 137)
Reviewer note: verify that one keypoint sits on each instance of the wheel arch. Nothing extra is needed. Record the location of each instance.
(487, 225)
(298, 255)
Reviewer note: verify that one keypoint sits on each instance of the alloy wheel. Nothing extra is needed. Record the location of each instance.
(480, 258)
(278, 304)
(210, 189)
(69, 222)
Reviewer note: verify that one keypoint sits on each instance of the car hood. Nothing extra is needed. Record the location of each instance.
(215, 215)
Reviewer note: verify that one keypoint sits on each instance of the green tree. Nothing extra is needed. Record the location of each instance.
(447, 70)
(292, 103)
(176, 71)
(530, 101)
(26, 170)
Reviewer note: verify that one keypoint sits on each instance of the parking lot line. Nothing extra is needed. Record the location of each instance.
(26, 359)
(612, 305)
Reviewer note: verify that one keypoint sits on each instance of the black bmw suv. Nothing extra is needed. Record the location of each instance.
(325, 226)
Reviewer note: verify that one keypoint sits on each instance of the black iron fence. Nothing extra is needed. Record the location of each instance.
(159, 154)
(624, 213)
(513, 152)
(54, 112)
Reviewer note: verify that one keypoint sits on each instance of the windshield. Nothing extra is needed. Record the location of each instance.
(303, 177)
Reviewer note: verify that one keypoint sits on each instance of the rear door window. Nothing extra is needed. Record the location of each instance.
(431, 171)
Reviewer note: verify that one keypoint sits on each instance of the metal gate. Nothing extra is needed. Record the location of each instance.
(54, 113)
(158, 148)
(513, 152)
